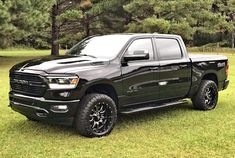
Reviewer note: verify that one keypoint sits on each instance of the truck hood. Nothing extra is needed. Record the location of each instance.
(61, 64)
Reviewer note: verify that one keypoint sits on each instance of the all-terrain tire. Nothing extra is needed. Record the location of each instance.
(206, 97)
(96, 115)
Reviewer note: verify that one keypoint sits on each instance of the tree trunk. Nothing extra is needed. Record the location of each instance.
(87, 29)
(86, 24)
(128, 18)
(233, 40)
(54, 31)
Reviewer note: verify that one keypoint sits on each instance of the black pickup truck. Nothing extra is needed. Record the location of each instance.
(103, 76)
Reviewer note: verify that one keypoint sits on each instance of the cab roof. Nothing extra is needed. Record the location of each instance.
(132, 35)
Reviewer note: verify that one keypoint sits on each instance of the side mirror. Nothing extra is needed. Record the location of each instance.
(137, 55)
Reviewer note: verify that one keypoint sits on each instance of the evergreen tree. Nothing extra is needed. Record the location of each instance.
(77, 19)
(185, 17)
(41, 23)
(226, 8)
(20, 20)
(7, 30)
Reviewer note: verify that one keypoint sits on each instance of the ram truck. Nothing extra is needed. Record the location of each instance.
(103, 76)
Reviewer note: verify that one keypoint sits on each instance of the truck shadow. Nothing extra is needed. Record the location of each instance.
(25, 126)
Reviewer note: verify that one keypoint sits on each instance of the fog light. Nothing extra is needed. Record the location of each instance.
(64, 94)
(59, 108)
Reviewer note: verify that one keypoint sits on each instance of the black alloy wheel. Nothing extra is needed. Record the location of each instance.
(210, 95)
(206, 97)
(96, 116)
(100, 118)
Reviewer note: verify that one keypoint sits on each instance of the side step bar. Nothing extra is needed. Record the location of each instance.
(150, 107)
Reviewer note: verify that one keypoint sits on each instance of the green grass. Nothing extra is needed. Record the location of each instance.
(178, 131)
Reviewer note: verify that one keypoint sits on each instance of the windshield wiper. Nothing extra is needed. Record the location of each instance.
(86, 55)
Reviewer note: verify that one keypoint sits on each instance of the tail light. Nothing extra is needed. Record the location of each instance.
(227, 67)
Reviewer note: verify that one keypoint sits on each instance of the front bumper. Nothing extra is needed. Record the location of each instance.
(40, 109)
(225, 85)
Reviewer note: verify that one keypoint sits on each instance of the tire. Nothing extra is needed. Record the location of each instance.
(96, 115)
(206, 97)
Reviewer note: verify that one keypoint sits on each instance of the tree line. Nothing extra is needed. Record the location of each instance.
(52, 24)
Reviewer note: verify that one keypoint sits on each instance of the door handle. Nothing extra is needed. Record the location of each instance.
(183, 66)
(153, 68)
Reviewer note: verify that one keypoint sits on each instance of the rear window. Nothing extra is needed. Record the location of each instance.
(168, 49)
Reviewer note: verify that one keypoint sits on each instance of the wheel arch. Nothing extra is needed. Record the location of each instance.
(103, 88)
(211, 76)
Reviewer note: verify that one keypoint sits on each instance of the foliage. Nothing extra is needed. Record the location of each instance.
(186, 17)
(38, 24)
(86, 17)
(22, 20)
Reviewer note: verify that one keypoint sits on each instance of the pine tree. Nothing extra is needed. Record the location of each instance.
(187, 17)
(76, 19)
(21, 19)
(226, 8)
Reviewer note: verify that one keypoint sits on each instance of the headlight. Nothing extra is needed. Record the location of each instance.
(69, 82)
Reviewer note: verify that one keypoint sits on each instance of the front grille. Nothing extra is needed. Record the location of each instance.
(29, 84)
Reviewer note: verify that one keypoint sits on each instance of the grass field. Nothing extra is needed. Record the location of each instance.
(178, 131)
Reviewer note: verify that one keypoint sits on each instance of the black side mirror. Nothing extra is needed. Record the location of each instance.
(137, 55)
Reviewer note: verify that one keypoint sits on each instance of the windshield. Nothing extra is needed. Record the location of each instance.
(100, 47)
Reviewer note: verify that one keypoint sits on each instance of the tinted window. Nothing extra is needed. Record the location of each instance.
(144, 45)
(107, 46)
(168, 49)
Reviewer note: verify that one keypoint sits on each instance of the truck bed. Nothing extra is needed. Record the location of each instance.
(203, 58)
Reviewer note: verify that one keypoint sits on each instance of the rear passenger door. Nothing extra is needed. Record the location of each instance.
(175, 69)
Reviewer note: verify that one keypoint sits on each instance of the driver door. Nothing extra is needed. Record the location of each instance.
(138, 76)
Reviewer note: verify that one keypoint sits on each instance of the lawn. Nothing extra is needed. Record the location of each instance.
(178, 131)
